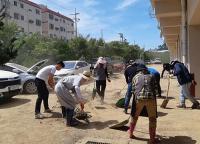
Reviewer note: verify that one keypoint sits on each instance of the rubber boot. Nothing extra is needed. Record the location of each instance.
(69, 117)
(131, 129)
(63, 111)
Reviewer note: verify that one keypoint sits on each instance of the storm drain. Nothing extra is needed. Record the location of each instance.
(92, 142)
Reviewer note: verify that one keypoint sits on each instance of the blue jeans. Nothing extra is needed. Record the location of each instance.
(128, 95)
(185, 92)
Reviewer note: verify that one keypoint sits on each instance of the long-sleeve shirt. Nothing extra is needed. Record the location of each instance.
(130, 72)
(73, 83)
(182, 73)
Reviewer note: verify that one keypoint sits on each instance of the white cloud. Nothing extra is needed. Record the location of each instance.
(125, 3)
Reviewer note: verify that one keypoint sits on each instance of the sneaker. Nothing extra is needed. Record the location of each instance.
(47, 111)
(39, 116)
(181, 106)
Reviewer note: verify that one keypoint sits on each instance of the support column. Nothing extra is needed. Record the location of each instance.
(194, 51)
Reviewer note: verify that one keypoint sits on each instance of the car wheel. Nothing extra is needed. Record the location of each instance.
(29, 87)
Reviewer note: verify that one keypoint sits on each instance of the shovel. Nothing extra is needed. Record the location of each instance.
(119, 93)
(166, 100)
(120, 124)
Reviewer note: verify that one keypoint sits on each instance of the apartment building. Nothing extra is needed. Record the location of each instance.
(179, 22)
(56, 25)
(35, 18)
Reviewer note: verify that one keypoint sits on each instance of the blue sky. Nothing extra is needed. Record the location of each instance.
(130, 17)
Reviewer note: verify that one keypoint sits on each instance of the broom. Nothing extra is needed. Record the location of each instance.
(166, 100)
(120, 124)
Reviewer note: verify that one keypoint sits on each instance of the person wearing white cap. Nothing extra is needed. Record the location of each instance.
(69, 100)
(101, 75)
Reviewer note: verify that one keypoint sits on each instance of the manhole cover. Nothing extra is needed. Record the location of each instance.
(92, 142)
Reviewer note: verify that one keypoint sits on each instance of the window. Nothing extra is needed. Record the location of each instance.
(51, 26)
(56, 19)
(21, 5)
(16, 16)
(22, 17)
(31, 21)
(56, 28)
(63, 21)
(51, 16)
(55, 35)
(64, 29)
(15, 3)
(51, 35)
(30, 10)
(37, 11)
(61, 29)
(72, 24)
(38, 22)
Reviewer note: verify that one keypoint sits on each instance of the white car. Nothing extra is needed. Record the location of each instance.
(10, 84)
(27, 75)
(72, 68)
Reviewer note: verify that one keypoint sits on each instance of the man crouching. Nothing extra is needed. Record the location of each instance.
(145, 96)
(69, 100)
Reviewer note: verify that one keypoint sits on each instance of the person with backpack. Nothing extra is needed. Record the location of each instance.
(145, 97)
(129, 73)
(101, 73)
(184, 79)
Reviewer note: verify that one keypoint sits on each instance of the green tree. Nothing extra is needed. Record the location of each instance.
(9, 43)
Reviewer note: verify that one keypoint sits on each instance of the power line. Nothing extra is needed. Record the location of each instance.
(76, 19)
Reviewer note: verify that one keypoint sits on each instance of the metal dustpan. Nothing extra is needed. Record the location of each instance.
(120, 124)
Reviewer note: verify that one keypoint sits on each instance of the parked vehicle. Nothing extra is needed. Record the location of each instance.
(10, 84)
(72, 68)
(156, 61)
(27, 75)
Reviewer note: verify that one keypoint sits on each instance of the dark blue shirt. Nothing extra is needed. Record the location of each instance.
(182, 73)
(130, 72)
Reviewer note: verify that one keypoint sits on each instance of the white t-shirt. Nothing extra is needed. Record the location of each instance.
(44, 73)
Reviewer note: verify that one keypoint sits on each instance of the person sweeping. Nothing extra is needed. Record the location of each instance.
(144, 94)
(101, 73)
(69, 95)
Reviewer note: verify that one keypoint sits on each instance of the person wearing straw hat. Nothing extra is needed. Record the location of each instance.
(69, 95)
(101, 74)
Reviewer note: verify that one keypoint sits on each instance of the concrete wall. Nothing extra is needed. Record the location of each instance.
(194, 53)
(193, 12)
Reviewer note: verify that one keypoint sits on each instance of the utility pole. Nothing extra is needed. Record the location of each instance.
(75, 22)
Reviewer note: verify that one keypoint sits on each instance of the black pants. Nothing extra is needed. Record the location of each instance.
(43, 94)
(101, 86)
(158, 87)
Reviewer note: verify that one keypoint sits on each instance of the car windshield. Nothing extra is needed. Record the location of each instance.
(69, 65)
(23, 68)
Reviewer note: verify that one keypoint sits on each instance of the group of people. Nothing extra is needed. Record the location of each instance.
(67, 89)
(143, 84)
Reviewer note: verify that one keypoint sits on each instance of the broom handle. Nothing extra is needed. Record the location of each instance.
(168, 87)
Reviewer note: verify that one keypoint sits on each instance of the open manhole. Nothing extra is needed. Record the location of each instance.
(92, 142)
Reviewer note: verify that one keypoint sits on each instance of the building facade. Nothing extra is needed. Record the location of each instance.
(33, 18)
(56, 25)
(179, 22)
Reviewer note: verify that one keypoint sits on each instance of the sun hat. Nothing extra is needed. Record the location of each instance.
(86, 75)
(101, 61)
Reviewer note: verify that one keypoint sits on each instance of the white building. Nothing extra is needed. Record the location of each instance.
(34, 18)
(56, 25)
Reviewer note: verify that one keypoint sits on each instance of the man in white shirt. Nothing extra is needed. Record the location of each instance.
(43, 77)
(69, 100)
